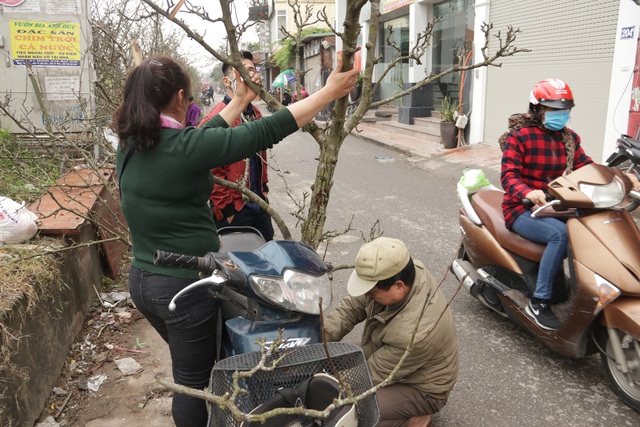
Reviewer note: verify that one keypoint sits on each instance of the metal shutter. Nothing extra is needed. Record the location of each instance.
(569, 40)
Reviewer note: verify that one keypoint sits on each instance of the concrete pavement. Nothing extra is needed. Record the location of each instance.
(485, 156)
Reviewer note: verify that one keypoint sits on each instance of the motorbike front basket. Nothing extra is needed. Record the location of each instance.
(299, 365)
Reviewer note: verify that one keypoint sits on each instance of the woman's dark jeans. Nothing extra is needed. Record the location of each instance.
(190, 331)
(553, 233)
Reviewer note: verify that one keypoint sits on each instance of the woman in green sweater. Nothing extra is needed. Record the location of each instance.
(165, 185)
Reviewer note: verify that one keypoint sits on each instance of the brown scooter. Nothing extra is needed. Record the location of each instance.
(597, 300)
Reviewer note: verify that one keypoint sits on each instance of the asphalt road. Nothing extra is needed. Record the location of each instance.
(507, 378)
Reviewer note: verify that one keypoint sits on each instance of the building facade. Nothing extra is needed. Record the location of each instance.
(592, 47)
(316, 56)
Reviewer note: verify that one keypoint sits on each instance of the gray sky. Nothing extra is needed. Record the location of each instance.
(214, 35)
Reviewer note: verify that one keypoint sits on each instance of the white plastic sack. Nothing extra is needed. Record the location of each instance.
(17, 223)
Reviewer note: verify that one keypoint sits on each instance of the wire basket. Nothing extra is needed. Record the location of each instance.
(301, 363)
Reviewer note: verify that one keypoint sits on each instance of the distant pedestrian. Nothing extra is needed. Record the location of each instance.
(193, 113)
(286, 98)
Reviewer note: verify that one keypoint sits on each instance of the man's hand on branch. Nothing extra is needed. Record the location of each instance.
(242, 90)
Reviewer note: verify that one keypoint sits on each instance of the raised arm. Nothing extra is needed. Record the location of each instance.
(338, 84)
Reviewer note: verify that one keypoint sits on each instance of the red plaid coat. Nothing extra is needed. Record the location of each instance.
(533, 157)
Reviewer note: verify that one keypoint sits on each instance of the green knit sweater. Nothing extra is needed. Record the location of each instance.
(165, 190)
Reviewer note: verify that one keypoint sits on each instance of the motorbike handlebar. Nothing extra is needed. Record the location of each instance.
(628, 141)
(529, 204)
(204, 264)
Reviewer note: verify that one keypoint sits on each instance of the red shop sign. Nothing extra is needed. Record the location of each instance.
(11, 2)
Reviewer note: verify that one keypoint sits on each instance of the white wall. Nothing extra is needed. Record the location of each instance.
(573, 44)
(479, 88)
(621, 75)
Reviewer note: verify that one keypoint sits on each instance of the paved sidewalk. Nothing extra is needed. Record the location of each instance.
(481, 155)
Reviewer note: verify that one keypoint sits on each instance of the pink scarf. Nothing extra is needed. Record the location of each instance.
(169, 122)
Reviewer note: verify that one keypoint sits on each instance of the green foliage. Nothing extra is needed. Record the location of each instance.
(24, 173)
(252, 46)
(286, 55)
(449, 110)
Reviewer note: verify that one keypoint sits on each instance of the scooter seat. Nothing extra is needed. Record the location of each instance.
(488, 206)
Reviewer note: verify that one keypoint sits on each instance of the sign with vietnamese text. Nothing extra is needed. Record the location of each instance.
(62, 88)
(25, 6)
(10, 2)
(63, 7)
(45, 44)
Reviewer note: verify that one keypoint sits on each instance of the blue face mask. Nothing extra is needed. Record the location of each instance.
(556, 119)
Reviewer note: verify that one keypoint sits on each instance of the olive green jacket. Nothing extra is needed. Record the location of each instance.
(432, 365)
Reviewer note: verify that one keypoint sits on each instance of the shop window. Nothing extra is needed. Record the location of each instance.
(281, 19)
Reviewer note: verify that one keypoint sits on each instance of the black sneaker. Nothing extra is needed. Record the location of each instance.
(543, 316)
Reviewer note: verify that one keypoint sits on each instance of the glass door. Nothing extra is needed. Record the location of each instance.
(399, 36)
(450, 36)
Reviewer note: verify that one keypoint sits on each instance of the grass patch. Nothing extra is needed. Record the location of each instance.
(25, 173)
(25, 273)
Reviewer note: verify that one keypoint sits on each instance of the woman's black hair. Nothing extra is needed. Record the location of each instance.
(407, 275)
(149, 88)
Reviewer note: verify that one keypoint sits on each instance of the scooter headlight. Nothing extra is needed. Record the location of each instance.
(295, 291)
(604, 196)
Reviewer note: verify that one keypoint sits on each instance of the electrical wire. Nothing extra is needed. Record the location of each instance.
(615, 111)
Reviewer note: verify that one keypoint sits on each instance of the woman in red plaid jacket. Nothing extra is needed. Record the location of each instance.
(534, 155)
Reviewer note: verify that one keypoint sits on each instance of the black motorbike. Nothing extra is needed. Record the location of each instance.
(627, 159)
(205, 99)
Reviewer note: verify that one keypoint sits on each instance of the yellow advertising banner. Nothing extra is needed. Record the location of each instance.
(45, 44)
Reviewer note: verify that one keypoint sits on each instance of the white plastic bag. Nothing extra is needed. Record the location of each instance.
(17, 223)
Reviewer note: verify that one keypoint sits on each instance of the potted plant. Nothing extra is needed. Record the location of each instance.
(448, 130)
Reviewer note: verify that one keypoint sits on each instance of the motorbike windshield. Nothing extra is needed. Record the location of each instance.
(277, 255)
